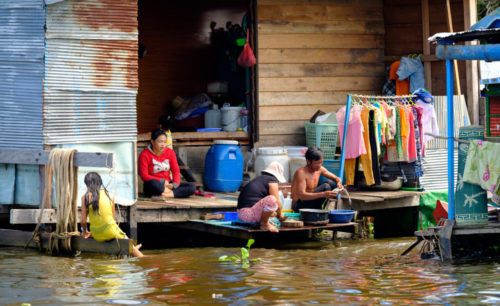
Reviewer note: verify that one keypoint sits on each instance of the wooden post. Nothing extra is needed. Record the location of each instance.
(445, 240)
(471, 67)
(132, 222)
(455, 64)
(426, 44)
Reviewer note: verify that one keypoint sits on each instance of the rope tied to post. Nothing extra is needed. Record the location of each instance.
(64, 174)
(66, 186)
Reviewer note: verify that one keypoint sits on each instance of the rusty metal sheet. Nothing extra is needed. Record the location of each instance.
(91, 78)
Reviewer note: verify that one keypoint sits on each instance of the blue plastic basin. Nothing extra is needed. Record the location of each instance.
(341, 215)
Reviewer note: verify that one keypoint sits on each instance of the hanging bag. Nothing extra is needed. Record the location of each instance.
(246, 58)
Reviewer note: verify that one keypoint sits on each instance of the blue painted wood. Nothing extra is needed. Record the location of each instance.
(489, 52)
(450, 132)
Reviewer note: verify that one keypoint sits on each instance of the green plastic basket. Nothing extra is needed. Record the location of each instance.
(323, 136)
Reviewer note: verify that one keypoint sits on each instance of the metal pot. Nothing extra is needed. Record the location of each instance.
(314, 216)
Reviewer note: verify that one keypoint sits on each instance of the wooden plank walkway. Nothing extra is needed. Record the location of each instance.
(176, 210)
(375, 200)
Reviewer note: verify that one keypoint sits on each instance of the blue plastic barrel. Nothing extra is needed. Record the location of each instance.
(223, 166)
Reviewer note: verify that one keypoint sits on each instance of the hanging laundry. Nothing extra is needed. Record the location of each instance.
(412, 69)
(429, 122)
(355, 146)
(402, 86)
(482, 167)
(391, 130)
(389, 88)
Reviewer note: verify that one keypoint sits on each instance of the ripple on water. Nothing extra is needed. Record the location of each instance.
(344, 272)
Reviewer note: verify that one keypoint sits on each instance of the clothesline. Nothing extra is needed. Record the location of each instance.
(382, 97)
(446, 137)
(370, 99)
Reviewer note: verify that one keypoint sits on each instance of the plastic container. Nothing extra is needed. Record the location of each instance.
(297, 158)
(332, 165)
(286, 202)
(213, 117)
(267, 155)
(223, 166)
(230, 117)
(228, 215)
(341, 215)
(244, 119)
(323, 136)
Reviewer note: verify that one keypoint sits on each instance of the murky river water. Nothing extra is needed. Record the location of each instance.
(341, 272)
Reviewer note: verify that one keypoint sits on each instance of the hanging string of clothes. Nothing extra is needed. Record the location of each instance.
(383, 128)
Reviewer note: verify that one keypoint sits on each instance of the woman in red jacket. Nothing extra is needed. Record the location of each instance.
(155, 164)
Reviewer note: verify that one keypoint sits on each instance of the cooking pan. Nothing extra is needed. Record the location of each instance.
(314, 216)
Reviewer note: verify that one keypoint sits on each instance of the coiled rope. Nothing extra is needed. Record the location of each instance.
(66, 186)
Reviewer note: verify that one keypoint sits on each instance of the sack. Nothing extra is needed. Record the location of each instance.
(246, 58)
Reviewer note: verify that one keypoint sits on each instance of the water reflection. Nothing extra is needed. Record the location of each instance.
(345, 272)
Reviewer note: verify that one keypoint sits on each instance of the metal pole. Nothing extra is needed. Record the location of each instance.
(346, 124)
(451, 144)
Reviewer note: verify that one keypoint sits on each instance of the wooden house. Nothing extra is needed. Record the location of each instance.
(93, 92)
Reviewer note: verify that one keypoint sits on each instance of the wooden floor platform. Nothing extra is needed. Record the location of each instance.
(375, 200)
(458, 230)
(176, 210)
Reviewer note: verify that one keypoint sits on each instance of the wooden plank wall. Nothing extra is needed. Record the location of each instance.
(311, 53)
(403, 34)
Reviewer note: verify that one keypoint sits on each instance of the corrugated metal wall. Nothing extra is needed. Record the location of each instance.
(436, 169)
(91, 72)
(21, 73)
(460, 114)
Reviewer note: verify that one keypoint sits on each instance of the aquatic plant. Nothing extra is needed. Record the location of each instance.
(245, 256)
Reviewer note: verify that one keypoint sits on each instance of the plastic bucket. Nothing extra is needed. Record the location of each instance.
(267, 155)
(223, 166)
(230, 118)
(297, 158)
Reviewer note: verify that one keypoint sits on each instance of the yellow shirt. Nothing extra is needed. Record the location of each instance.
(103, 226)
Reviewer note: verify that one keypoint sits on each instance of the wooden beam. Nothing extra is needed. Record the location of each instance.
(471, 67)
(198, 135)
(132, 222)
(426, 44)
(424, 58)
(172, 215)
(18, 238)
(39, 157)
(30, 216)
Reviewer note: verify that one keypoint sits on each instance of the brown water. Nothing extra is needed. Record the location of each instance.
(345, 272)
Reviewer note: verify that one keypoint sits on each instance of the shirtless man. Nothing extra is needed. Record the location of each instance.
(305, 190)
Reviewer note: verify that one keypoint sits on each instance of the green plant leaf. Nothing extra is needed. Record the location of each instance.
(235, 258)
(223, 258)
(244, 253)
(250, 242)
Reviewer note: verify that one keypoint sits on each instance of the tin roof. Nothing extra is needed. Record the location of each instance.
(486, 29)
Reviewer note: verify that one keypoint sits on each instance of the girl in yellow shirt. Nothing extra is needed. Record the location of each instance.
(101, 211)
